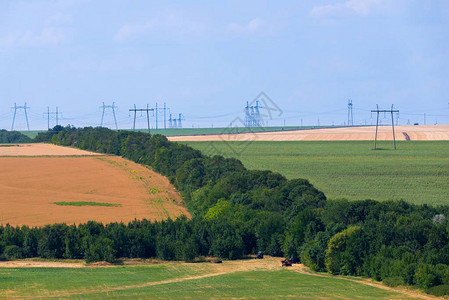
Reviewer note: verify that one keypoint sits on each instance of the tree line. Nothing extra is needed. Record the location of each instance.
(236, 212)
(13, 137)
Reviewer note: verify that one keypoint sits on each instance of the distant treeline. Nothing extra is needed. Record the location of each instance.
(237, 212)
(13, 137)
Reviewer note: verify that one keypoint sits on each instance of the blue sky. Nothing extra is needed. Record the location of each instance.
(205, 59)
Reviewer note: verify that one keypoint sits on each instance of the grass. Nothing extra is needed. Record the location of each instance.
(28, 282)
(200, 131)
(32, 133)
(258, 285)
(174, 280)
(221, 130)
(417, 171)
(86, 203)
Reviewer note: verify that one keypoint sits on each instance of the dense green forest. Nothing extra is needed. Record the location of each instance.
(237, 212)
(13, 137)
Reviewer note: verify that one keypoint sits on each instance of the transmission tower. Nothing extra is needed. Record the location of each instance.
(174, 122)
(392, 122)
(252, 115)
(164, 111)
(350, 115)
(147, 110)
(26, 115)
(170, 122)
(56, 113)
(247, 115)
(113, 107)
(180, 119)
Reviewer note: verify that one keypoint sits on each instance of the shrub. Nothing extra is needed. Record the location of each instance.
(439, 290)
(393, 281)
(12, 252)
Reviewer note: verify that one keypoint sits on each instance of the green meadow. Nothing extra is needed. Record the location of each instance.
(418, 171)
(201, 131)
(177, 280)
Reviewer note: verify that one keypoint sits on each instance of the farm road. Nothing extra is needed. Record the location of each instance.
(304, 270)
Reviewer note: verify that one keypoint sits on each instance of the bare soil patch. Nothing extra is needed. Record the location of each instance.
(39, 264)
(414, 133)
(42, 150)
(29, 186)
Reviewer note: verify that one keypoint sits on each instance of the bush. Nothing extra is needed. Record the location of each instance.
(12, 252)
(426, 276)
(337, 261)
(439, 290)
(100, 249)
(393, 281)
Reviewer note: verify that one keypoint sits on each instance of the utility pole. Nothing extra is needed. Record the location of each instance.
(165, 118)
(113, 107)
(156, 115)
(392, 123)
(26, 115)
(160, 110)
(350, 115)
(147, 110)
(56, 113)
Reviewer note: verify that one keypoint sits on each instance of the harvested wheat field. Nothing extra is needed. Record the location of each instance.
(42, 150)
(30, 186)
(366, 133)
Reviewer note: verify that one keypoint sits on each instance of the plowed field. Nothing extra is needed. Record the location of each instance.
(30, 186)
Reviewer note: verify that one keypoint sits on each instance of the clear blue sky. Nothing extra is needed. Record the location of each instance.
(205, 59)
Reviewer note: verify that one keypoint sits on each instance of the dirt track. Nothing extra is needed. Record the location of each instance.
(410, 132)
(29, 186)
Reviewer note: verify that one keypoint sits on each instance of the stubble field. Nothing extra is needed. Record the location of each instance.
(34, 186)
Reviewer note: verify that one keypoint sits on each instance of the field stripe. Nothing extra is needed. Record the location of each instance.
(119, 288)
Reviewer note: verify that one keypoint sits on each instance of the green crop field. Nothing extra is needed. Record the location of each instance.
(201, 131)
(32, 133)
(417, 171)
(179, 280)
(205, 131)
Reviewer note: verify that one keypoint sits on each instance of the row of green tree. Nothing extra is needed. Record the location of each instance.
(238, 212)
(13, 137)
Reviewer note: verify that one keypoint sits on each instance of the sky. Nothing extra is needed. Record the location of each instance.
(206, 59)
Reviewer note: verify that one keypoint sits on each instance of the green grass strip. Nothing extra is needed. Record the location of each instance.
(85, 203)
